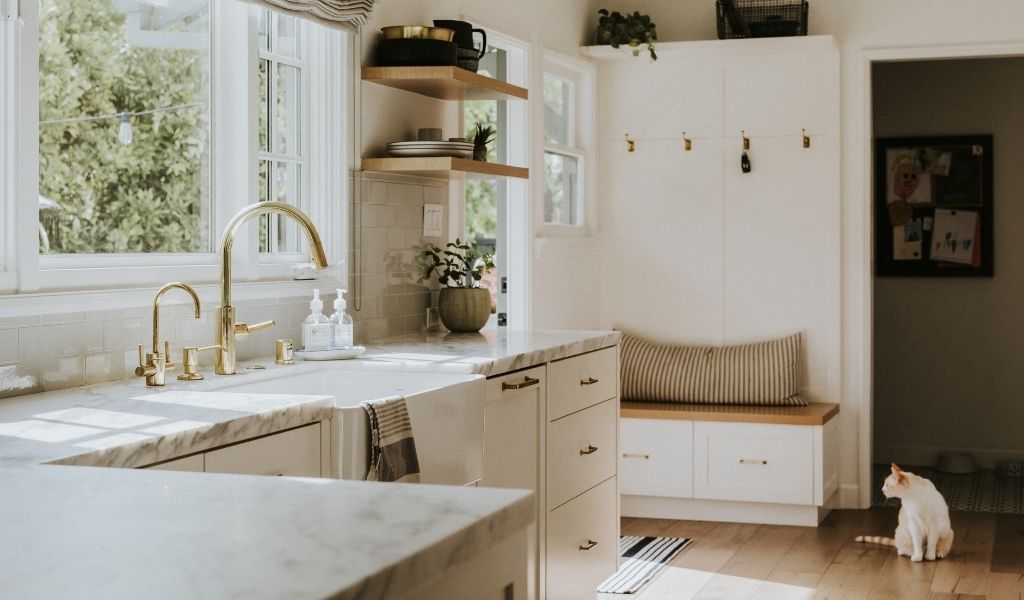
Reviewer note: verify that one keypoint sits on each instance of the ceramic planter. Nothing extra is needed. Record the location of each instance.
(464, 310)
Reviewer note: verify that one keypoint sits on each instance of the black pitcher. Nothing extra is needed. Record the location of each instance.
(464, 34)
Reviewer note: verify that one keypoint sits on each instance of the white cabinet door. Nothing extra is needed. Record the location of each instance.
(582, 544)
(513, 447)
(192, 463)
(663, 221)
(293, 453)
(780, 93)
(686, 95)
(753, 462)
(511, 430)
(781, 245)
(656, 457)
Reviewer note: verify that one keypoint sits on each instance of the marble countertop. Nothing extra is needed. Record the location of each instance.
(489, 352)
(73, 532)
(73, 528)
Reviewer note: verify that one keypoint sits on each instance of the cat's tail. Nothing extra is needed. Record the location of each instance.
(875, 539)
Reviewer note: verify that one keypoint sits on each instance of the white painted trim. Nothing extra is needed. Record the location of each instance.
(695, 509)
(865, 438)
(64, 302)
(761, 46)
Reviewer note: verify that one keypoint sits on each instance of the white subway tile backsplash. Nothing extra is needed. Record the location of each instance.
(108, 366)
(61, 373)
(20, 378)
(9, 344)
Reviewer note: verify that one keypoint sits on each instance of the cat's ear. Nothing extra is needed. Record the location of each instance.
(900, 477)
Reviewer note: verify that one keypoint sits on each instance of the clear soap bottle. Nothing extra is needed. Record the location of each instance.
(341, 324)
(316, 329)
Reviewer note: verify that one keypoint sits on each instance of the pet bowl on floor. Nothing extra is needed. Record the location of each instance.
(959, 463)
(1010, 468)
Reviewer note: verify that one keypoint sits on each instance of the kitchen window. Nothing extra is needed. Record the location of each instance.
(151, 124)
(568, 99)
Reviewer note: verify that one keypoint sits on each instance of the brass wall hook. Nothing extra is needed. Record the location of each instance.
(746, 140)
(807, 138)
(630, 144)
(687, 143)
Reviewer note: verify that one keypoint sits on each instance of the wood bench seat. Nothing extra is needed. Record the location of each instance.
(815, 413)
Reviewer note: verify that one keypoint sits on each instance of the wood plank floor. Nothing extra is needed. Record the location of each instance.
(730, 561)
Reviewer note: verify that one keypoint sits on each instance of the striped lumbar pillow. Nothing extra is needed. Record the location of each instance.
(765, 373)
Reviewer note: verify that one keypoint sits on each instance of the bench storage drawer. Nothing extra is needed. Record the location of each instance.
(753, 462)
(656, 458)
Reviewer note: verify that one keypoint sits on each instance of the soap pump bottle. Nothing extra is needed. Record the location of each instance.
(316, 329)
(341, 324)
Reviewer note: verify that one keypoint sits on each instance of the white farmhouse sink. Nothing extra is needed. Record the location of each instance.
(446, 411)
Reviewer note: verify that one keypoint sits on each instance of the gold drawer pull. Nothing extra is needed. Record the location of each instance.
(527, 382)
(588, 450)
(748, 461)
(635, 455)
(590, 544)
(589, 381)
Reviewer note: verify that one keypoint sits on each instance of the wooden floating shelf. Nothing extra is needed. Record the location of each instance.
(446, 83)
(444, 167)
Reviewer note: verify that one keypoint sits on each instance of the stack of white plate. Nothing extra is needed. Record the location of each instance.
(428, 148)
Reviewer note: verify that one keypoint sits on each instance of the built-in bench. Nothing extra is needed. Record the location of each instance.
(749, 464)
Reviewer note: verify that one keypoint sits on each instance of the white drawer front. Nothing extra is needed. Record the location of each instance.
(581, 381)
(581, 451)
(294, 453)
(573, 573)
(753, 462)
(656, 457)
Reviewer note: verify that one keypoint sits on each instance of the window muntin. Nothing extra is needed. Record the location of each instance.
(282, 164)
(563, 161)
(124, 127)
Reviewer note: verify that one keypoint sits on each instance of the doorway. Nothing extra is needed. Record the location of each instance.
(946, 381)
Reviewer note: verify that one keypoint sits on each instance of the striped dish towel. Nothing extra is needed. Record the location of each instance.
(392, 447)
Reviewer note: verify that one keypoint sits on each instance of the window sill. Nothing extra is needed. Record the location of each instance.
(141, 298)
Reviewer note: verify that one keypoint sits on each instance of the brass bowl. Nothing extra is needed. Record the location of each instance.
(399, 32)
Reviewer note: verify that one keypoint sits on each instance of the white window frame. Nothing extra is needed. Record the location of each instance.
(513, 194)
(582, 127)
(326, 77)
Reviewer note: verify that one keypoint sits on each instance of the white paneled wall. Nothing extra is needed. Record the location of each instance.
(696, 251)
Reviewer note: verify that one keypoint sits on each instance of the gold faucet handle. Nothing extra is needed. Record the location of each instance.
(242, 330)
(169, 362)
(144, 369)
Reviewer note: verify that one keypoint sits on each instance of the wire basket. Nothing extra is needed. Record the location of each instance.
(760, 18)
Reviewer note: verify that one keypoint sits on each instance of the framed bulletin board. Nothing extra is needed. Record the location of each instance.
(933, 206)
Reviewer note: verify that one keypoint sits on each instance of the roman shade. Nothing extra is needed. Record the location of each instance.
(339, 14)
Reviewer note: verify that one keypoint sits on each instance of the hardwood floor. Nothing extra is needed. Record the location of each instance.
(731, 561)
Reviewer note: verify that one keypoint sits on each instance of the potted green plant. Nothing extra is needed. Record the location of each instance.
(616, 29)
(464, 307)
(483, 136)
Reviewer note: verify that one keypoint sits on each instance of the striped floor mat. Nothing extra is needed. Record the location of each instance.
(982, 491)
(642, 558)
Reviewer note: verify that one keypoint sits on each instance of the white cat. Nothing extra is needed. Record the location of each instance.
(923, 531)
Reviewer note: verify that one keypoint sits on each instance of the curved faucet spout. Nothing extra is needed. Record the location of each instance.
(156, 308)
(228, 239)
(226, 326)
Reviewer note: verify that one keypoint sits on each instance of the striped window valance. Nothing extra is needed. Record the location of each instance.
(765, 373)
(343, 14)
